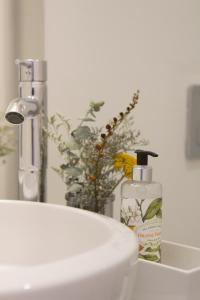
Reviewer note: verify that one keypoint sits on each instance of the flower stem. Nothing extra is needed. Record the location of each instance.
(110, 130)
(116, 184)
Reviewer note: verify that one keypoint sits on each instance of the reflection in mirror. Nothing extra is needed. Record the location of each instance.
(17, 26)
(102, 51)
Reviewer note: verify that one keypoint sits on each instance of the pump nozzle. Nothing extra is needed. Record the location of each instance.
(142, 157)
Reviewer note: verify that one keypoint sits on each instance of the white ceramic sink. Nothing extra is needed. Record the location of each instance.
(52, 252)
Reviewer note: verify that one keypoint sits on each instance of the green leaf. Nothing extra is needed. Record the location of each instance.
(52, 119)
(149, 257)
(62, 147)
(75, 188)
(72, 144)
(81, 132)
(73, 171)
(64, 166)
(65, 122)
(96, 106)
(153, 209)
(87, 120)
(72, 155)
(92, 113)
(150, 249)
(159, 213)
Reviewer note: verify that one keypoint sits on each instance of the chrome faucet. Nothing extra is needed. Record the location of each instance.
(29, 112)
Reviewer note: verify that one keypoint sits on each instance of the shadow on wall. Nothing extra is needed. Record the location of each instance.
(192, 144)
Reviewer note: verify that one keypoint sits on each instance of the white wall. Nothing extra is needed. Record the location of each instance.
(8, 186)
(29, 29)
(105, 50)
(22, 36)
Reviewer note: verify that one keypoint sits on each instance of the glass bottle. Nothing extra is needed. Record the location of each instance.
(141, 207)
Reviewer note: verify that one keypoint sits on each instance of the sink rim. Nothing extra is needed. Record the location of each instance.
(122, 246)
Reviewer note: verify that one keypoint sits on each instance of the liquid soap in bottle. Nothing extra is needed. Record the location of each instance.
(141, 207)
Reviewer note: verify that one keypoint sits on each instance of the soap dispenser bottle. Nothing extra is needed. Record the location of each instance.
(141, 207)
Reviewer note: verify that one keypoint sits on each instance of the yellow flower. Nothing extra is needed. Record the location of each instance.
(124, 161)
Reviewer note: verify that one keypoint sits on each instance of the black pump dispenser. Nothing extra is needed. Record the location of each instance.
(141, 171)
(142, 157)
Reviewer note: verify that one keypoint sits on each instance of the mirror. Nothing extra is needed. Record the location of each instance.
(105, 51)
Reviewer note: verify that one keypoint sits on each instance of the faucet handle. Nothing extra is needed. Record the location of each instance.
(32, 70)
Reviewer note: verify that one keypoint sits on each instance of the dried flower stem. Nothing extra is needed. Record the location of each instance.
(117, 183)
(110, 130)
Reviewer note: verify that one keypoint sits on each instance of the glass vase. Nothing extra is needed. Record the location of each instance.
(78, 200)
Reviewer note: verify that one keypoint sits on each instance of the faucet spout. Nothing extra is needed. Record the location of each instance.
(22, 108)
(29, 112)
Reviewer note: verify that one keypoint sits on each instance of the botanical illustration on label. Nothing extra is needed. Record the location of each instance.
(144, 217)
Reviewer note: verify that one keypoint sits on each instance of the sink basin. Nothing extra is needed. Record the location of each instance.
(53, 252)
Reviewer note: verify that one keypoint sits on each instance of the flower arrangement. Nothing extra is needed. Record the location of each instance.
(95, 160)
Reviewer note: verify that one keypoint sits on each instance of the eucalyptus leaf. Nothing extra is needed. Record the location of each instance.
(96, 106)
(72, 144)
(75, 188)
(58, 126)
(65, 121)
(153, 209)
(81, 132)
(73, 171)
(52, 119)
(62, 147)
(92, 113)
(87, 120)
(64, 166)
(72, 155)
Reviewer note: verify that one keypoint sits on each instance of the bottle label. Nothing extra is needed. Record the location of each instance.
(144, 217)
